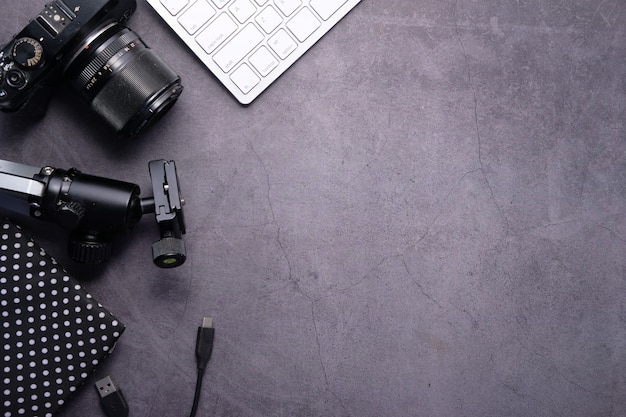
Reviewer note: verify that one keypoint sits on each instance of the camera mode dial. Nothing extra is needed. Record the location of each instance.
(27, 53)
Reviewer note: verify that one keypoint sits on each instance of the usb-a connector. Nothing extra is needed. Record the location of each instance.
(111, 398)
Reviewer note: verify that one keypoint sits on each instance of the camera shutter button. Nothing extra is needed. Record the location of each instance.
(27, 53)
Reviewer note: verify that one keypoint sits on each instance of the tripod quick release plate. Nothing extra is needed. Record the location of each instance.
(169, 251)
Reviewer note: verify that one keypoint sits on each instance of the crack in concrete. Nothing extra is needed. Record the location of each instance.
(479, 144)
(611, 231)
(376, 156)
(321, 360)
(610, 18)
(418, 285)
(579, 386)
(514, 390)
(473, 320)
(274, 222)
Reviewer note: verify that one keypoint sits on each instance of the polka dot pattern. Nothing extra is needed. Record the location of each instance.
(54, 333)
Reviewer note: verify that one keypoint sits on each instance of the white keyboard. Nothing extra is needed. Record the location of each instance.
(248, 44)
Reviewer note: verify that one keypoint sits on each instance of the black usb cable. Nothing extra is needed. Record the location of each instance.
(204, 348)
(113, 401)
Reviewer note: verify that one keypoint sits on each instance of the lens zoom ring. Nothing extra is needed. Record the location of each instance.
(103, 57)
(133, 88)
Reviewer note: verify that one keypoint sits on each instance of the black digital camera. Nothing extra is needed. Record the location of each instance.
(85, 43)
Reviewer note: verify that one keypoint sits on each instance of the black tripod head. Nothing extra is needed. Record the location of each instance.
(96, 209)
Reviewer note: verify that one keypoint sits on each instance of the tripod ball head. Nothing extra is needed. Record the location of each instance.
(96, 209)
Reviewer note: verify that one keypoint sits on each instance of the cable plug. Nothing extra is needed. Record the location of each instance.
(204, 342)
(111, 398)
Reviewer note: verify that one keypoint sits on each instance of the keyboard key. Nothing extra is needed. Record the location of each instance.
(263, 61)
(288, 6)
(245, 78)
(282, 44)
(216, 33)
(196, 16)
(242, 10)
(238, 47)
(269, 19)
(220, 3)
(303, 24)
(326, 8)
(174, 6)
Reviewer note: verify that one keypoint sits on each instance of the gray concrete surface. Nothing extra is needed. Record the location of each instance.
(425, 216)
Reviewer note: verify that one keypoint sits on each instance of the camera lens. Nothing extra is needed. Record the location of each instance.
(122, 79)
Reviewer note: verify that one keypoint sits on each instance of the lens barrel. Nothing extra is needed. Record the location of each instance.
(122, 79)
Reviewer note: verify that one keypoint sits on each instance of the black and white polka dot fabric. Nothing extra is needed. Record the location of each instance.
(54, 333)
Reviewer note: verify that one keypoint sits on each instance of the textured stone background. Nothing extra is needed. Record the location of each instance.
(425, 216)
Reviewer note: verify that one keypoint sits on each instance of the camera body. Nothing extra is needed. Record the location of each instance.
(85, 43)
(36, 57)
